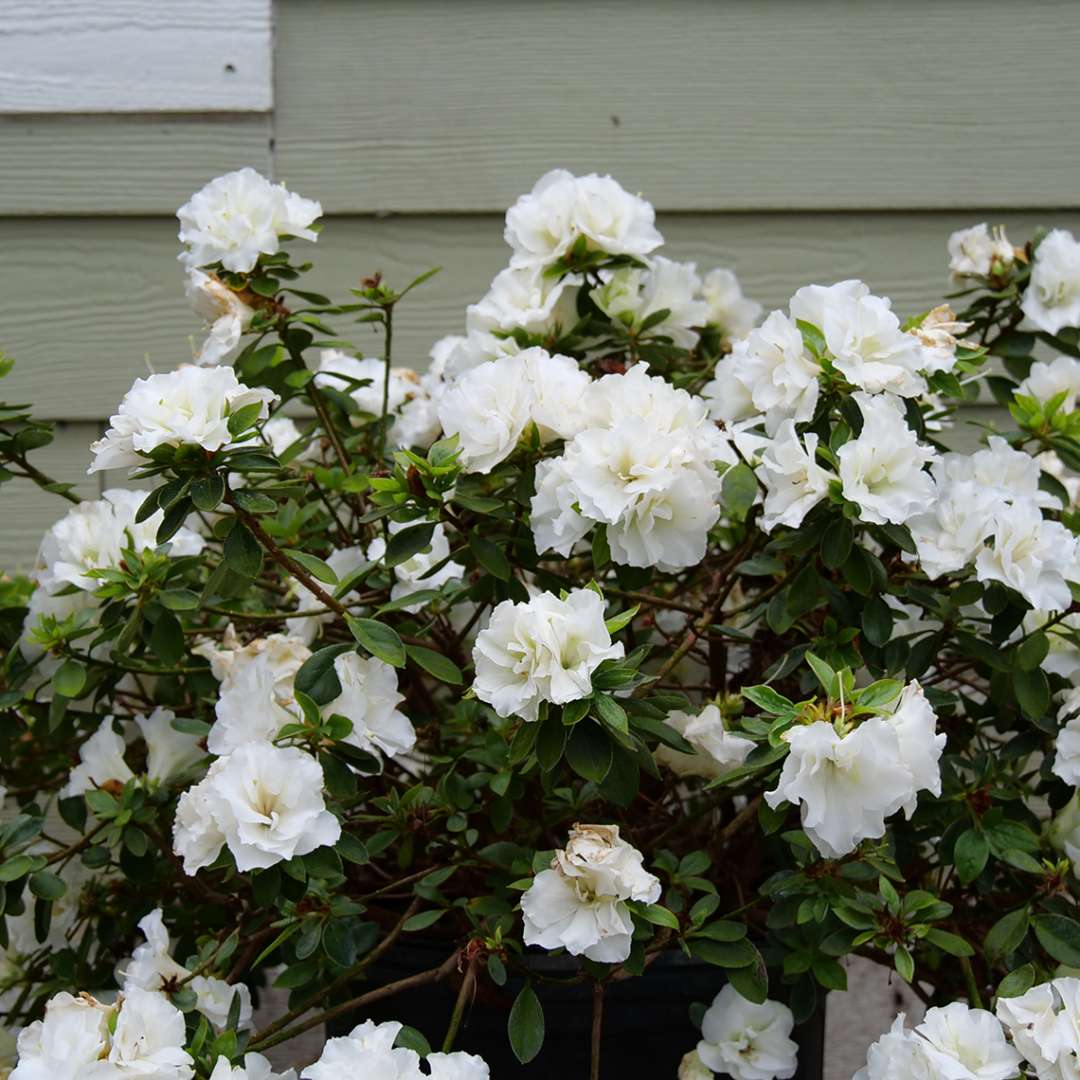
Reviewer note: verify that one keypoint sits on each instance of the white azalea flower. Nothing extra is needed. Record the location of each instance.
(340, 371)
(968, 1044)
(734, 313)
(147, 1041)
(226, 315)
(369, 698)
(631, 295)
(251, 708)
(716, 750)
(457, 1066)
(281, 654)
(190, 405)
(544, 649)
(93, 536)
(794, 481)
(169, 753)
(557, 525)
(579, 904)
(101, 763)
(1031, 554)
(915, 723)
(1063, 657)
(490, 406)
(898, 1055)
(152, 967)
(544, 225)
(1067, 744)
(882, 470)
(748, 1041)
(1052, 298)
(240, 216)
(1064, 830)
(255, 1067)
(525, 298)
(71, 1039)
(973, 251)
(1044, 1024)
(414, 574)
(367, 1051)
(265, 802)
(1048, 380)
(846, 785)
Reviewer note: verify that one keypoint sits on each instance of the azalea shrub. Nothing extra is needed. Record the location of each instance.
(631, 625)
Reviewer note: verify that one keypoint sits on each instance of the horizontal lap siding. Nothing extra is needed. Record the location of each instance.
(98, 302)
(425, 105)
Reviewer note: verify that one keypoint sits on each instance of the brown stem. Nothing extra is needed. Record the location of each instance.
(284, 561)
(465, 992)
(422, 978)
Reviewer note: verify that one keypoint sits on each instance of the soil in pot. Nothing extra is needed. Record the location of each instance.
(646, 1021)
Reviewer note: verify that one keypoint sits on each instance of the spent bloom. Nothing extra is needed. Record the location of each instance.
(544, 649)
(226, 314)
(240, 216)
(188, 406)
(580, 903)
(748, 1041)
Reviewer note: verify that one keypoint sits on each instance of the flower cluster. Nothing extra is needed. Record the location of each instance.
(329, 693)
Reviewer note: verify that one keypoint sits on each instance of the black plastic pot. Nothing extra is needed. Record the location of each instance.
(646, 1022)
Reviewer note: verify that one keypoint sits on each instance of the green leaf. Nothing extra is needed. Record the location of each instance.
(1059, 936)
(877, 621)
(1007, 934)
(752, 982)
(829, 973)
(406, 543)
(727, 954)
(16, 867)
(318, 569)
(1017, 982)
(551, 741)
(1033, 651)
(317, 677)
(739, 489)
(254, 502)
(659, 915)
(768, 700)
(246, 415)
(601, 551)
(904, 963)
(836, 544)
(525, 1026)
(490, 556)
(379, 639)
(611, 713)
(423, 920)
(1032, 692)
(242, 551)
(825, 674)
(69, 679)
(442, 667)
(589, 751)
(953, 944)
(47, 886)
(178, 599)
(617, 622)
(208, 491)
(970, 854)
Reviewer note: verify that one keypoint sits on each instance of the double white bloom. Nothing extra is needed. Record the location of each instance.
(190, 405)
(1052, 298)
(264, 802)
(747, 1041)
(369, 1051)
(847, 785)
(490, 406)
(994, 495)
(716, 750)
(644, 466)
(953, 1041)
(974, 251)
(240, 216)
(544, 225)
(152, 968)
(1045, 1027)
(81, 1039)
(544, 649)
(580, 903)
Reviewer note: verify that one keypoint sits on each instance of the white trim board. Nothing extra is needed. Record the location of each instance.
(135, 56)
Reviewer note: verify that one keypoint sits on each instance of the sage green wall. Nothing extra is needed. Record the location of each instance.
(794, 141)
